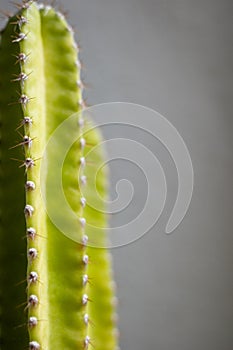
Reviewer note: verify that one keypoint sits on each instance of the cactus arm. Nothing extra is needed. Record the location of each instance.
(50, 94)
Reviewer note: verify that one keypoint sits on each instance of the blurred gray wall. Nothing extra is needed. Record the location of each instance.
(175, 56)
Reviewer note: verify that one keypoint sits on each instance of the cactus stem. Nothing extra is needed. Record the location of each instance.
(46, 297)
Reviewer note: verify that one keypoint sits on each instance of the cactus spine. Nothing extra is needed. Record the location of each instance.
(41, 87)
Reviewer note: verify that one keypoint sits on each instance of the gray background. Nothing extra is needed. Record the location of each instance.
(175, 56)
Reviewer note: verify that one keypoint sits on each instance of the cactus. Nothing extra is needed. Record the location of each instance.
(51, 296)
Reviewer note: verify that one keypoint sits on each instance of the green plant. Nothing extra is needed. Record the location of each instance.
(40, 88)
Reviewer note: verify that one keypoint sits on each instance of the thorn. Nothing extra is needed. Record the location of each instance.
(28, 211)
(20, 326)
(32, 252)
(28, 163)
(79, 64)
(86, 260)
(32, 302)
(86, 85)
(70, 29)
(24, 5)
(83, 180)
(32, 322)
(6, 14)
(80, 48)
(31, 233)
(27, 121)
(87, 342)
(46, 9)
(81, 122)
(27, 142)
(23, 100)
(30, 186)
(20, 21)
(85, 299)
(83, 103)
(62, 13)
(80, 84)
(82, 162)
(22, 77)
(87, 320)
(84, 240)
(85, 280)
(20, 305)
(82, 222)
(83, 202)
(40, 6)
(33, 345)
(83, 85)
(19, 37)
(21, 58)
(19, 283)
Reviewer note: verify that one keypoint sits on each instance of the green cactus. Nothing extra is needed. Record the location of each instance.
(51, 297)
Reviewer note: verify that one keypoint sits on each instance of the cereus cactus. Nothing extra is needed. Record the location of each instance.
(56, 292)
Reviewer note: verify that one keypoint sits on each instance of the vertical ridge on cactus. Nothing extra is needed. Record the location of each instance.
(41, 87)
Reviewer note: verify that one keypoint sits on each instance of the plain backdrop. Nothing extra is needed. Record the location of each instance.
(175, 56)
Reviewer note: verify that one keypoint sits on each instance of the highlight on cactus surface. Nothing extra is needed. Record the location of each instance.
(56, 293)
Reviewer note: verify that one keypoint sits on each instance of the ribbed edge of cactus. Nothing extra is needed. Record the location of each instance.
(70, 303)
